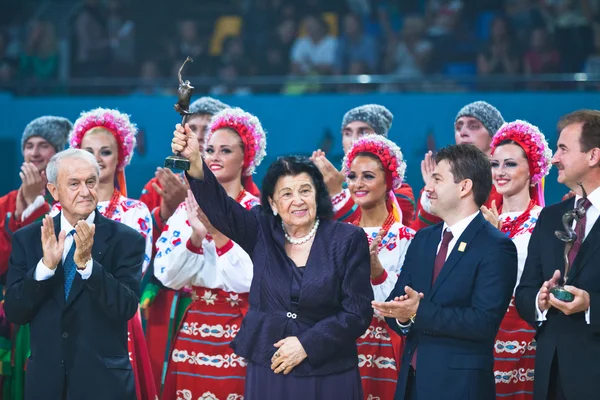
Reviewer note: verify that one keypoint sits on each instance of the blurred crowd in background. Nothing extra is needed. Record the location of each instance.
(54, 41)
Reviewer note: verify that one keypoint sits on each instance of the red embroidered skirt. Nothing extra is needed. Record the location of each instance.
(514, 355)
(202, 365)
(379, 354)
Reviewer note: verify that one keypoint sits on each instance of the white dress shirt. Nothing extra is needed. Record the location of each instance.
(42, 272)
(592, 216)
(457, 230)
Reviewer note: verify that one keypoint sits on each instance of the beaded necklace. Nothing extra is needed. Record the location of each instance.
(387, 224)
(112, 206)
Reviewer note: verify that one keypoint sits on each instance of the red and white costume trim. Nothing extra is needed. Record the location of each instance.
(515, 346)
(202, 365)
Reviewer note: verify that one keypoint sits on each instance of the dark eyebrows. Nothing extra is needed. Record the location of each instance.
(436, 175)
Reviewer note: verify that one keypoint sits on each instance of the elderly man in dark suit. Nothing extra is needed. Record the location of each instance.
(568, 333)
(76, 279)
(454, 288)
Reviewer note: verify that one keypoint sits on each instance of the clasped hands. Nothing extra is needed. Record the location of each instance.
(53, 247)
(580, 303)
(289, 354)
(401, 308)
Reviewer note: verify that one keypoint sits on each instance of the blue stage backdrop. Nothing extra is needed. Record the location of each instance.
(294, 125)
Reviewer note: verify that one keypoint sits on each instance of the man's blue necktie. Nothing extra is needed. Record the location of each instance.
(69, 267)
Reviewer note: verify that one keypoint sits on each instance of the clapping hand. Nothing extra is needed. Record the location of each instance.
(427, 167)
(172, 190)
(84, 240)
(51, 246)
(334, 179)
(289, 354)
(401, 308)
(33, 182)
(376, 267)
(492, 215)
(199, 230)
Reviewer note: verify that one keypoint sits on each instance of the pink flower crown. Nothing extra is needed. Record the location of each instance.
(532, 141)
(388, 153)
(115, 122)
(250, 130)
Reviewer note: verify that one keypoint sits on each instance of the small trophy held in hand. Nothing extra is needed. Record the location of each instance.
(569, 236)
(184, 94)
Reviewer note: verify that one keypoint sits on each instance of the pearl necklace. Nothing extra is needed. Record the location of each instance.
(301, 240)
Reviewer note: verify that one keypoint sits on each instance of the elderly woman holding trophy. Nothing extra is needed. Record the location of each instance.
(310, 296)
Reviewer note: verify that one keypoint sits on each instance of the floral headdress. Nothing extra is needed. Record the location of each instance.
(388, 153)
(532, 141)
(250, 130)
(116, 123)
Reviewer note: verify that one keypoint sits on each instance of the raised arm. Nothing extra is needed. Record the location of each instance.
(224, 213)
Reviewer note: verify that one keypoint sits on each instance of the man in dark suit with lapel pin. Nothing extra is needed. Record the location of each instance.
(76, 279)
(568, 333)
(456, 282)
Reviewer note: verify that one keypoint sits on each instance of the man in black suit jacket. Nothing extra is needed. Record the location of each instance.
(76, 279)
(456, 282)
(568, 334)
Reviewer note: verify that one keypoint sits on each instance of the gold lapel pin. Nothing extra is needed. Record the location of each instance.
(462, 246)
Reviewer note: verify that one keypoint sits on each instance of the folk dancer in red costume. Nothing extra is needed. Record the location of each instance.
(358, 122)
(42, 138)
(110, 136)
(218, 272)
(476, 123)
(520, 160)
(159, 304)
(374, 167)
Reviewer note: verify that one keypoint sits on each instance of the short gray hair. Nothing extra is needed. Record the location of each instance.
(54, 164)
